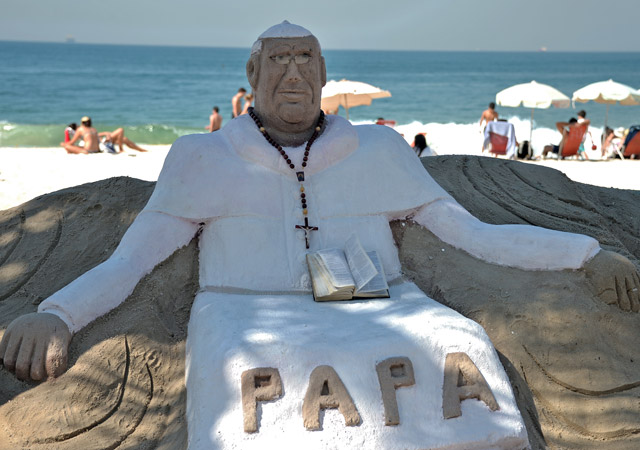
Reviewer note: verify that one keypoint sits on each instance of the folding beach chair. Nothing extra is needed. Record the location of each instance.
(632, 145)
(502, 137)
(498, 143)
(571, 143)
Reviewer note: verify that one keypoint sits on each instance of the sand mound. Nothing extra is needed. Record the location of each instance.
(572, 360)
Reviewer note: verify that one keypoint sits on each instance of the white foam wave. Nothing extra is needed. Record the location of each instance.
(467, 139)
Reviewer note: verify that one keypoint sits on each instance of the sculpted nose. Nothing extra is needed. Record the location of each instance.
(293, 73)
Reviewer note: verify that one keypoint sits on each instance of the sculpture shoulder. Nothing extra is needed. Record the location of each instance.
(194, 153)
(384, 142)
(381, 136)
(210, 145)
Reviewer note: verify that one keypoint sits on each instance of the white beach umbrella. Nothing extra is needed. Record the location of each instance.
(608, 92)
(348, 94)
(532, 95)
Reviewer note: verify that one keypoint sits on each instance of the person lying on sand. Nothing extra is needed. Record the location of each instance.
(88, 134)
(117, 137)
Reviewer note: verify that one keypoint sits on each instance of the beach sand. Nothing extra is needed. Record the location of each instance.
(572, 360)
(26, 173)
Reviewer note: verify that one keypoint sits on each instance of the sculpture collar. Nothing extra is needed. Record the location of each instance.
(338, 140)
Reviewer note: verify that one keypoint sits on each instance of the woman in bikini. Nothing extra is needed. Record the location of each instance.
(88, 134)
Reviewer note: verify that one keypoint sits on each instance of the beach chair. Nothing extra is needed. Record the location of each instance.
(389, 123)
(632, 146)
(498, 143)
(501, 136)
(571, 143)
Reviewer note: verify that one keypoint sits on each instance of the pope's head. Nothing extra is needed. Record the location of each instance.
(287, 72)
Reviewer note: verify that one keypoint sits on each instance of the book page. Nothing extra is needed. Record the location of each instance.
(337, 267)
(359, 262)
(378, 284)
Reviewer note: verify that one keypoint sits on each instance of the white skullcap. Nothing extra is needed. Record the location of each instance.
(282, 30)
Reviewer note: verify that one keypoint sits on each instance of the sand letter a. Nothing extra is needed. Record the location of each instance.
(258, 385)
(326, 391)
(463, 380)
(392, 374)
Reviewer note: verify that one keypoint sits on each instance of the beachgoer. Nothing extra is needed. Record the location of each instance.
(248, 100)
(488, 115)
(611, 143)
(69, 132)
(88, 134)
(563, 128)
(420, 146)
(582, 116)
(215, 120)
(117, 137)
(236, 107)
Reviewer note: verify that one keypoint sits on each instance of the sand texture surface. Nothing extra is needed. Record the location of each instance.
(574, 362)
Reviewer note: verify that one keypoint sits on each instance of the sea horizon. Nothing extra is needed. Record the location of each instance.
(159, 92)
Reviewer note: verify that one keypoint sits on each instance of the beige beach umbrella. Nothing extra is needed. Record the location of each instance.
(532, 95)
(348, 94)
(607, 92)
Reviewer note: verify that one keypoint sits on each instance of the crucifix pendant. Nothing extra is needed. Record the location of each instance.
(306, 229)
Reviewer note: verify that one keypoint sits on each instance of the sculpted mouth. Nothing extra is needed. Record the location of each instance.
(293, 94)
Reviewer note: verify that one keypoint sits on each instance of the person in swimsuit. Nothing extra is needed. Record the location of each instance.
(88, 134)
(117, 137)
(248, 100)
(236, 107)
(70, 131)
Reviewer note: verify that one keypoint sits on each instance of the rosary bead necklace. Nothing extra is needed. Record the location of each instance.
(299, 174)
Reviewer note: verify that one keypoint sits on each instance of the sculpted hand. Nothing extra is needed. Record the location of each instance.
(34, 346)
(615, 280)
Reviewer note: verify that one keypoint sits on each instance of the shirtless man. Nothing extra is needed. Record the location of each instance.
(236, 107)
(118, 138)
(215, 120)
(489, 115)
(88, 134)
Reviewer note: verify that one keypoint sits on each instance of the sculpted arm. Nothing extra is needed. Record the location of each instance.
(612, 277)
(522, 246)
(35, 345)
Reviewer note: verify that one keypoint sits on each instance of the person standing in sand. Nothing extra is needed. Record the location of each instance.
(236, 108)
(488, 115)
(248, 100)
(88, 134)
(215, 120)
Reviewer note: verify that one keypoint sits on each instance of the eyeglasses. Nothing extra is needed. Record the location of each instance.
(286, 59)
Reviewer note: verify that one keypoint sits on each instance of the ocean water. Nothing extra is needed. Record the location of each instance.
(160, 93)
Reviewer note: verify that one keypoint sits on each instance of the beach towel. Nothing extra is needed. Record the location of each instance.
(503, 129)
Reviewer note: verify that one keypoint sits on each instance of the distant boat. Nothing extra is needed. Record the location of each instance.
(70, 39)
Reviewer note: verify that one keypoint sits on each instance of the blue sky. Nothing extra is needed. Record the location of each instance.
(558, 25)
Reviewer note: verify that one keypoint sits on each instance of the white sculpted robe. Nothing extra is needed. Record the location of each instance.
(255, 309)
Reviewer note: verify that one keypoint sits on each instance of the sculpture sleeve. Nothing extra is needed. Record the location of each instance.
(522, 246)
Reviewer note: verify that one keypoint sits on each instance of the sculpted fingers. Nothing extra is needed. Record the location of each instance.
(23, 361)
(38, 372)
(11, 351)
(56, 358)
(622, 293)
(633, 289)
(3, 345)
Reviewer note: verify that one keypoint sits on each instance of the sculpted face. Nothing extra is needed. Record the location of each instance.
(287, 78)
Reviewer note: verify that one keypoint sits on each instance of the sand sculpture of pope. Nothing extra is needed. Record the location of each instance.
(266, 365)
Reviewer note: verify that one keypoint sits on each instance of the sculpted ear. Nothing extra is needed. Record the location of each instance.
(252, 72)
(323, 71)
